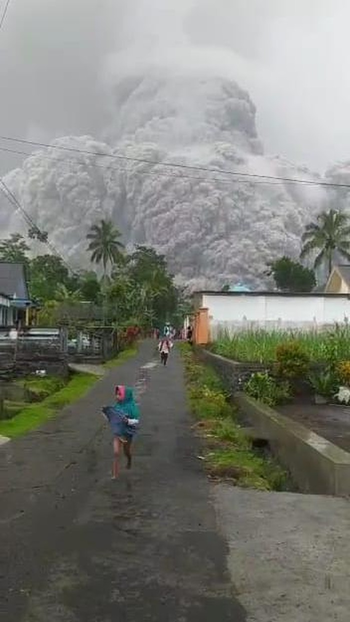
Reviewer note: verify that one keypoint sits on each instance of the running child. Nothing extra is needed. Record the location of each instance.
(123, 418)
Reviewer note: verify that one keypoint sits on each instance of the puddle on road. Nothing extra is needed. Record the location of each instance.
(150, 365)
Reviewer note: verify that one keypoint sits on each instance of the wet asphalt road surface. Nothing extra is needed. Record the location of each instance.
(78, 547)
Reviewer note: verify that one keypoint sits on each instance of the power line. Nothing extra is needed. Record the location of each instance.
(131, 159)
(146, 173)
(4, 13)
(9, 194)
(29, 220)
(177, 165)
(248, 177)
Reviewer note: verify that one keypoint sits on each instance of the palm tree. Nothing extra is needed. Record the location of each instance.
(105, 246)
(329, 235)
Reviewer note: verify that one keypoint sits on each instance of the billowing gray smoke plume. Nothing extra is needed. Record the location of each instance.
(179, 106)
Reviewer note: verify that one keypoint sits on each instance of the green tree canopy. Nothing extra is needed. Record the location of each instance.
(89, 286)
(329, 235)
(149, 269)
(46, 274)
(14, 249)
(291, 276)
(142, 287)
(104, 244)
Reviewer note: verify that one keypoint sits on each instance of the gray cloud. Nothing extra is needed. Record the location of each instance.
(292, 57)
(163, 81)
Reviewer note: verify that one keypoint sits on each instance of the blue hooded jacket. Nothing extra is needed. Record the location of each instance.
(120, 412)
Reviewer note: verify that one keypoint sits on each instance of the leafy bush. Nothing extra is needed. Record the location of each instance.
(343, 370)
(264, 388)
(292, 360)
(324, 383)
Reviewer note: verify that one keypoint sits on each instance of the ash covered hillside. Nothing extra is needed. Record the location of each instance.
(213, 228)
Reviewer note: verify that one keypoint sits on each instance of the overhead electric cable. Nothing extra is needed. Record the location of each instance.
(176, 164)
(29, 220)
(4, 13)
(137, 172)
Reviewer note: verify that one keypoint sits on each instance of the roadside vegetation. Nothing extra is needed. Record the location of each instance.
(297, 364)
(119, 289)
(228, 452)
(50, 395)
(261, 345)
(122, 357)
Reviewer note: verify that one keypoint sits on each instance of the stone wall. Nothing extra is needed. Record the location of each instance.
(234, 374)
(56, 365)
(35, 349)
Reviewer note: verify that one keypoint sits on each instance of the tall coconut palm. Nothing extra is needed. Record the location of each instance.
(105, 246)
(330, 234)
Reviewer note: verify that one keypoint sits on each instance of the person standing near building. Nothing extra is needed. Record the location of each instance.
(189, 335)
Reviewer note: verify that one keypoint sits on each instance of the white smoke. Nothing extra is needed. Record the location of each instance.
(173, 95)
(213, 228)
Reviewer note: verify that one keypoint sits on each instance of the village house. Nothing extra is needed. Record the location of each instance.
(15, 303)
(233, 311)
(339, 280)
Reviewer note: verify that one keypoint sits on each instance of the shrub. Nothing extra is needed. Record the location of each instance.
(264, 388)
(292, 360)
(343, 370)
(324, 383)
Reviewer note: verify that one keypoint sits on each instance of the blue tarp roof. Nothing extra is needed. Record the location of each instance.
(239, 287)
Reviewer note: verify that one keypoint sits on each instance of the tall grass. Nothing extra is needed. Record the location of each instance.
(260, 345)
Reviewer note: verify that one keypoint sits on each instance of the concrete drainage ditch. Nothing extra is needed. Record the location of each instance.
(316, 465)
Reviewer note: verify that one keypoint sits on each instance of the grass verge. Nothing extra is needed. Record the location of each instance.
(41, 388)
(125, 355)
(228, 453)
(35, 414)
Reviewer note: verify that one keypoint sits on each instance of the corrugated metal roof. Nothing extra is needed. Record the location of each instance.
(13, 280)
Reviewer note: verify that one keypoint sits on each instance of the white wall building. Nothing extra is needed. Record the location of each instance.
(269, 310)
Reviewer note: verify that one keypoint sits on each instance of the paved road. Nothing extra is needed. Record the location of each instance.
(77, 547)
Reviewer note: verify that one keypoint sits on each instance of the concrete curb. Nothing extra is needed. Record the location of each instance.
(4, 440)
(316, 465)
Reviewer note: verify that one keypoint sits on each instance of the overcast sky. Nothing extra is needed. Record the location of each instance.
(58, 59)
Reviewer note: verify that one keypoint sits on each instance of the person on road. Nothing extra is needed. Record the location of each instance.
(123, 418)
(164, 348)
